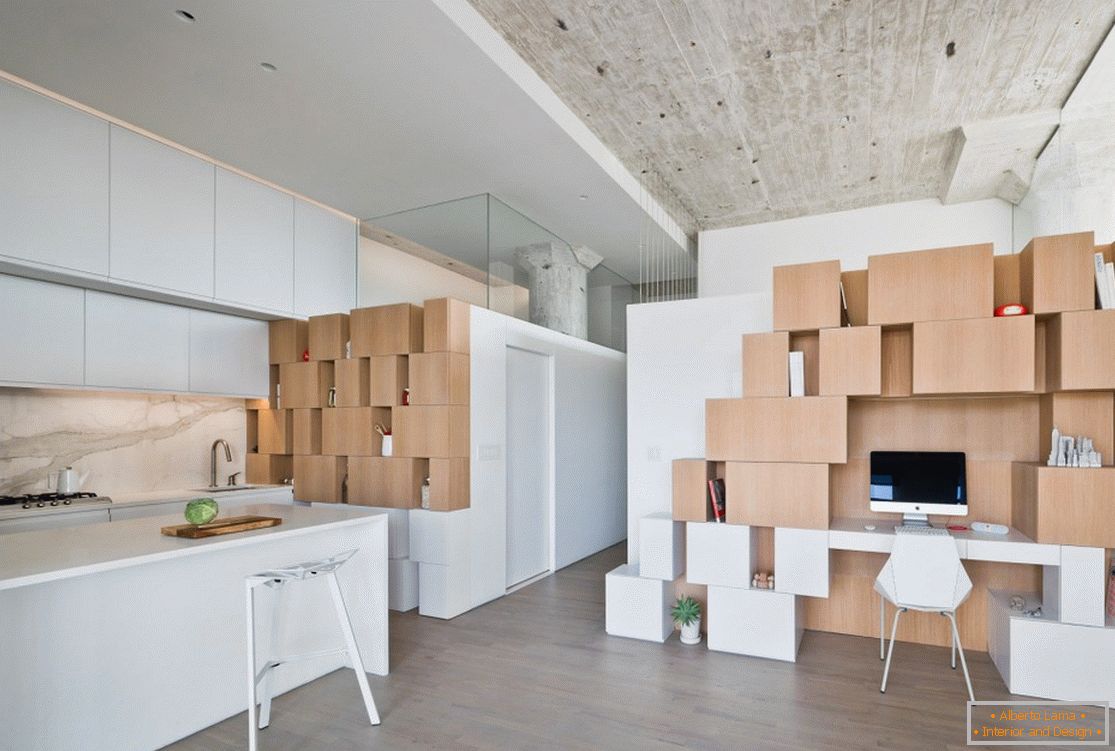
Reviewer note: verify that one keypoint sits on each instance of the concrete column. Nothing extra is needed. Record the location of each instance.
(558, 285)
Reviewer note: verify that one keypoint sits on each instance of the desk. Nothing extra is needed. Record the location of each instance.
(1013, 547)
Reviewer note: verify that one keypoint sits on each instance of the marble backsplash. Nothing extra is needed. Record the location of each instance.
(125, 442)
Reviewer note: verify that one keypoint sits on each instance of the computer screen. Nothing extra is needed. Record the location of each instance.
(932, 480)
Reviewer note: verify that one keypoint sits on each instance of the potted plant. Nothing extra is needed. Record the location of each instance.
(687, 614)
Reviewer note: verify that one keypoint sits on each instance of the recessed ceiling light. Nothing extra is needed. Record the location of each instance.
(268, 66)
(583, 197)
(185, 15)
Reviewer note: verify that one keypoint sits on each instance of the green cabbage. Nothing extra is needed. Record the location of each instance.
(201, 511)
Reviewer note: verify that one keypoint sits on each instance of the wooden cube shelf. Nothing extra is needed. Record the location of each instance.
(855, 295)
(391, 482)
(449, 484)
(386, 330)
(766, 364)
(445, 325)
(1079, 352)
(1076, 413)
(811, 429)
(439, 378)
(287, 340)
(809, 344)
(778, 495)
(1058, 273)
(389, 375)
(268, 469)
(1008, 281)
(897, 351)
(350, 431)
(328, 336)
(1064, 505)
(353, 382)
(319, 478)
(973, 356)
(307, 431)
(691, 498)
(305, 384)
(431, 432)
(276, 431)
(931, 285)
(807, 296)
(851, 361)
(273, 386)
(251, 428)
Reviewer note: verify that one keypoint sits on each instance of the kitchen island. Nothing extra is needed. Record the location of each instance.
(118, 637)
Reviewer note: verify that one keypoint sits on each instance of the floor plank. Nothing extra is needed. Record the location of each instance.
(535, 670)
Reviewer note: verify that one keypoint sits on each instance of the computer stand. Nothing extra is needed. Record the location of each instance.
(915, 520)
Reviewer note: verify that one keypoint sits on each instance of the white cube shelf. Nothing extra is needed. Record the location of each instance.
(637, 607)
(661, 547)
(756, 622)
(801, 561)
(398, 530)
(1075, 590)
(441, 537)
(402, 584)
(443, 591)
(719, 554)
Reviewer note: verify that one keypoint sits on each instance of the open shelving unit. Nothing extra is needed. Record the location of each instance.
(921, 363)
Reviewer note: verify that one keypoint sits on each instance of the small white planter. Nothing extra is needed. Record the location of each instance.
(691, 634)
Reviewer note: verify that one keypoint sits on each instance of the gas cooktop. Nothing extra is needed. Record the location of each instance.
(52, 500)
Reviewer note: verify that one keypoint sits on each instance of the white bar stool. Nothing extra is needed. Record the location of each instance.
(277, 579)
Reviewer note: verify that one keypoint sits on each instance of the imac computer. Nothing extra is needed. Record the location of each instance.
(918, 483)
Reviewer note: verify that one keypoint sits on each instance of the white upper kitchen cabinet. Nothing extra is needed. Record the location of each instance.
(255, 244)
(162, 215)
(228, 355)
(131, 343)
(41, 326)
(324, 260)
(53, 183)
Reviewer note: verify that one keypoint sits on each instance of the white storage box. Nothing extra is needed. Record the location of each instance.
(661, 547)
(440, 537)
(757, 622)
(443, 591)
(636, 607)
(801, 561)
(1076, 590)
(402, 584)
(719, 554)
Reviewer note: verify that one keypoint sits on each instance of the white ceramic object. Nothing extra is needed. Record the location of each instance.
(387, 446)
(691, 632)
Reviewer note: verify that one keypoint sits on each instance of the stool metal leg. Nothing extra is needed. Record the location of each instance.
(890, 650)
(267, 686)
(249, 597)
(353, 650)
(882, 626)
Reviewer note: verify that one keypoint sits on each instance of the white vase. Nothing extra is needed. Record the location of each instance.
(691, 633)
(387, 446)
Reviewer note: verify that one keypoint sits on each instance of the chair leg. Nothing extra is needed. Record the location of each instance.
(267, 686)
(249, 597)
(890, 650)
(953, 651)
(882, 626)
(353, 649)
(960, 648)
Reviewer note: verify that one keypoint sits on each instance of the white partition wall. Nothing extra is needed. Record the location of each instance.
(678, 354)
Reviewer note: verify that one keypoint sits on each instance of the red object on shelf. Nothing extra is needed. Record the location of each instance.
(406, 397)
(957, 528)
(1011, 309)
(305, 355)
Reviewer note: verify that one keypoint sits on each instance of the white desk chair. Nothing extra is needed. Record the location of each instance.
(277, 579)
(924, 573)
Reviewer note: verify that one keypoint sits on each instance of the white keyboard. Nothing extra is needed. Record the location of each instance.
(927, 531)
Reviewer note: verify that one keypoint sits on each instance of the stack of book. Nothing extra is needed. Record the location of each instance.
(1105, 283)
(716, 498)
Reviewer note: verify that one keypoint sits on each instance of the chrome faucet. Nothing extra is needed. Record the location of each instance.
(213, 460)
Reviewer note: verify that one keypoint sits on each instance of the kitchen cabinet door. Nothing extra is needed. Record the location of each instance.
(53, 183)
(139, 344)
(162, 215)
(228, 355)
(254, 244)
(324, 261)
(41, 327)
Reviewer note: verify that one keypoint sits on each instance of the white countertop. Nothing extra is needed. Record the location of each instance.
(186, 494)
(39, 556)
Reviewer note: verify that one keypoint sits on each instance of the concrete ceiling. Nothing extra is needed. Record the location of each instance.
(762, 110)
(375, 107)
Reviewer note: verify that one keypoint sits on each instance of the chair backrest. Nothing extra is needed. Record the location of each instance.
(924, 572)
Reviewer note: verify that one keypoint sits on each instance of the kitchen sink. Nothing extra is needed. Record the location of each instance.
(224, 489)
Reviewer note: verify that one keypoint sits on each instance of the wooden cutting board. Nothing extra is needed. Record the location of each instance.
(222, 526)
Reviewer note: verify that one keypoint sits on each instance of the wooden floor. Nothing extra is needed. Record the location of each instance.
(535, 670)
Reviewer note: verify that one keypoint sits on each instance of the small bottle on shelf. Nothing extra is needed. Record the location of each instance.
(426, 493)
(406, 397)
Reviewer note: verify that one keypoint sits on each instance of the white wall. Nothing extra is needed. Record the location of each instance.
(678, 354)
(387, 275)
(589, 453)
(739, 259)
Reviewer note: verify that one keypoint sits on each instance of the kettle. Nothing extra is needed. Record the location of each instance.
(66, 480)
